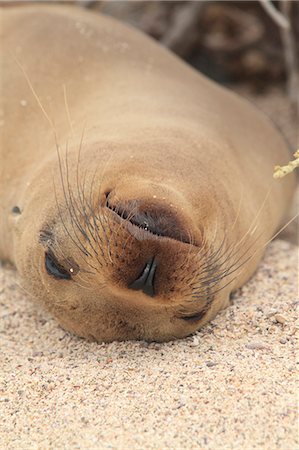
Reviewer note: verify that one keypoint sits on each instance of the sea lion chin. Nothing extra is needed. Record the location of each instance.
(146, 200)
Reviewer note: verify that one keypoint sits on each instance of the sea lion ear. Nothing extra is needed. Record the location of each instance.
(15, 217)
(16, 211)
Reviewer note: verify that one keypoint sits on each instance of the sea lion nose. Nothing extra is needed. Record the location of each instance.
(145, 282)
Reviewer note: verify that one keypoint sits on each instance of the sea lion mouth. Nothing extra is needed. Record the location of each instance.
(155, 219)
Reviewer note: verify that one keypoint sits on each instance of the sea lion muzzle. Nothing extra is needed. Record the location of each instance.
(157, 230)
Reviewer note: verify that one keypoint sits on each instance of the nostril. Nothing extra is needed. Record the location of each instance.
(157, 221)
(145, 281)
(107, 195)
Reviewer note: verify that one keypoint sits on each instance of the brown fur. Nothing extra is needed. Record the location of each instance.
(103, 129)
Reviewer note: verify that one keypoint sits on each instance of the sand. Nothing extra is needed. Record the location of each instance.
(230, 386)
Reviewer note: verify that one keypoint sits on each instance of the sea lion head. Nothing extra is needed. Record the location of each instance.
(118, 253)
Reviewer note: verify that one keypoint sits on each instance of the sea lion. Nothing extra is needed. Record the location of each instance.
(136, 194)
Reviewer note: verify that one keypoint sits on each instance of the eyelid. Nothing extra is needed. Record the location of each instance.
(54, 268)
(194, 318)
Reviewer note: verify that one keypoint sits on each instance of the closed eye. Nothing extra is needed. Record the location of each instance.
(194, 318)
(54, 268)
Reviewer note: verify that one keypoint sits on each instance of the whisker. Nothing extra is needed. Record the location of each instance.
(239, 208)
(67, 109)
(82, 249)
(50, 121)
(253, 224)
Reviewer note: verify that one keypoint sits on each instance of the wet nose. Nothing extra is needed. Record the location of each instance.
(145, 281)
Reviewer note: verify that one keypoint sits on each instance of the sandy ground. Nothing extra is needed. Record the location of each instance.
(231, 386)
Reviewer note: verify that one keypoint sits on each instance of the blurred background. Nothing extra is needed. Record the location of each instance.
(230, 41)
